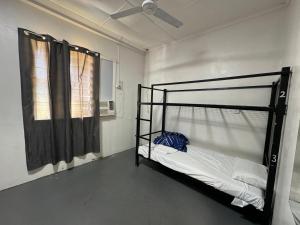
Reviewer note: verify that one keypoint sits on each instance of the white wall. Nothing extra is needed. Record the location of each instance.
(261, 44)
(295, 185)
(251, 46)
(116, 134)
(282, 214)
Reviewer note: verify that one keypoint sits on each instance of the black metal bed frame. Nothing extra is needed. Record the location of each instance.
(276, 115)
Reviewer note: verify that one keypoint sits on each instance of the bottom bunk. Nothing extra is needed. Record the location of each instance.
(212, 168)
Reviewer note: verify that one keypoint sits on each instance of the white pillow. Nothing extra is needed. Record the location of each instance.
(250, 172)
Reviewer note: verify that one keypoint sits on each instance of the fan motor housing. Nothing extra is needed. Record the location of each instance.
(149, 7)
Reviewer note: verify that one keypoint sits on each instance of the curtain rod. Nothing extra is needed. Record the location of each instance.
(27, 32)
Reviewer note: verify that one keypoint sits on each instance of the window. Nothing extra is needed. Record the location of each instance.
(106, 76)
(60, 92)
(81, 76)
(81, 71)
(40, 80)
(107, 87)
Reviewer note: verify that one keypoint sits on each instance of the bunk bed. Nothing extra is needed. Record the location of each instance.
(199, 163)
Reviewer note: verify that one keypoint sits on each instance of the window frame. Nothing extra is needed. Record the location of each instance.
(115, 64)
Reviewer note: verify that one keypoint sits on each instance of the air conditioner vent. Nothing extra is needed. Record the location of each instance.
(107, 108)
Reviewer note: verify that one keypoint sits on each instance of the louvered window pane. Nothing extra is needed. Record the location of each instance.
(40, 80)
(81, 70)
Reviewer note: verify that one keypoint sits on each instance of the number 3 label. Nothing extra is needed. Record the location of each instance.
(274, 158)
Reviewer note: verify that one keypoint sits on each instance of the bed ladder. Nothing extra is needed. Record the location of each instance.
(139, 119)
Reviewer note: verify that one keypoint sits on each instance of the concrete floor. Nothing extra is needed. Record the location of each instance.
(113, 191)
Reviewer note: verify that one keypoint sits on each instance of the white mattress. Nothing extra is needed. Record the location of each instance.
(212, 168)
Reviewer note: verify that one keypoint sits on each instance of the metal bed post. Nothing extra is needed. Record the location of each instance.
(270, 122)
(138, 121)
(280, 112)
(150, 127)
(163, 126)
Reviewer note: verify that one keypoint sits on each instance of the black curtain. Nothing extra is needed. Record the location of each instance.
(60, 92)
(51, 134)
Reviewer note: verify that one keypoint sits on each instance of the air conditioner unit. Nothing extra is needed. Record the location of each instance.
(107, 108)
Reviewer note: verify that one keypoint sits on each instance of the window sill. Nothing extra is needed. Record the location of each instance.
(107, 114)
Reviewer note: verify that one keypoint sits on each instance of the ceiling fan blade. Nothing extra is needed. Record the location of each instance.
(127, 12)
(163, 15)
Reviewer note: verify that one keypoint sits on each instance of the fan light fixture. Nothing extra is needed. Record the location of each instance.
(149, 7)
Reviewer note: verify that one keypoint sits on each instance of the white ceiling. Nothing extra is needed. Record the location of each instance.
(144, 31)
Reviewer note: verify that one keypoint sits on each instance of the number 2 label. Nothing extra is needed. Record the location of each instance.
(282, 94)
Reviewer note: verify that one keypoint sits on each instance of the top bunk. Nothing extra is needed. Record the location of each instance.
(169, 87)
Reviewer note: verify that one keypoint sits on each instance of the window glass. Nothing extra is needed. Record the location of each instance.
(81, 71)
(40, 80)
(106, 80)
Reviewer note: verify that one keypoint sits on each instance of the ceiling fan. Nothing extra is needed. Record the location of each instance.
(149, 7)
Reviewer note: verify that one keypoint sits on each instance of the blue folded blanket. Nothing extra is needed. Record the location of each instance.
(172, 139)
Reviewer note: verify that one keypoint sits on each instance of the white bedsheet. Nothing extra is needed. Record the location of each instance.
(212, 168)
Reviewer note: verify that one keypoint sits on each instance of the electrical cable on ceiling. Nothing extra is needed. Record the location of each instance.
(109, 18)
(119, 86)
(82, 22)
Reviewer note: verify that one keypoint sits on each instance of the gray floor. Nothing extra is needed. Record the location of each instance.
(113, 191)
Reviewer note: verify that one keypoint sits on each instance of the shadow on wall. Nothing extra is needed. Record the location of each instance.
(202, 59)
(236, 133)
(295, 185)
(212, 117)
(254, 128)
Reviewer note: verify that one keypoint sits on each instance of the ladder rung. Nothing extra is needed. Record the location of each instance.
(155, 132)
(147, 139)
(145, 119)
